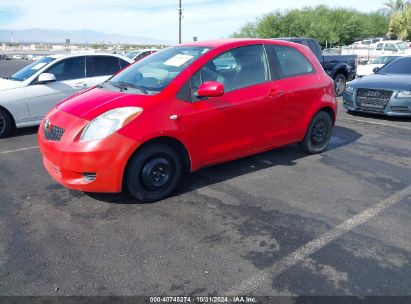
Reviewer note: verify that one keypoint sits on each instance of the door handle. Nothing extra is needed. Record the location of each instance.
(275, 93)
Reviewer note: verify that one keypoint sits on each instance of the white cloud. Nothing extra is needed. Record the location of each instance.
(206, 19)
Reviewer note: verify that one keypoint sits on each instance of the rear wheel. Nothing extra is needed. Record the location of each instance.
(318, 134)
(153, 173)
(6, 124)
(340, 83)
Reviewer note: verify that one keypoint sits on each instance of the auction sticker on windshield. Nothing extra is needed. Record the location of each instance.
(39, 66)
(178, 60)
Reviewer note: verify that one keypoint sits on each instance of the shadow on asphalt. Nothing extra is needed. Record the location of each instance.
(24, 131)
(285, 156)
(379, 117)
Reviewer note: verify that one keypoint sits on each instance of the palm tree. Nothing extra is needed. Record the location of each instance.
(400, 24)
(396, 6)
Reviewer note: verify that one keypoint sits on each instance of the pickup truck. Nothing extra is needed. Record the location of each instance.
(341, 68)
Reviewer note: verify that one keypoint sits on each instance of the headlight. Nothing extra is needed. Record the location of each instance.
(109, 122)
(349, 89)
(404, 94)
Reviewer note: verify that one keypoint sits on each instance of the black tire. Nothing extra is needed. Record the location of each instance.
(318, 134)
(340, 83)
(153, 173)
(6, 124)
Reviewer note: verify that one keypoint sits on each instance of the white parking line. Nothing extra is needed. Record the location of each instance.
(312, 247)
(374, 123)
(18, 150)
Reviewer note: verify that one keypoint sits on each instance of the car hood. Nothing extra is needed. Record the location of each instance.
(6, 84)
(385, 82)
(94, 102)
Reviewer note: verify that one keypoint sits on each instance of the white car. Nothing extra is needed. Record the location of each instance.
(368, 69)
(367, 43)
(27, 96)
(136, 55)
(35, 58)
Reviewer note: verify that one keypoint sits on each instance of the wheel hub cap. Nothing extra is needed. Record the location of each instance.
(339, 86)
(156, 173)
(318, 132)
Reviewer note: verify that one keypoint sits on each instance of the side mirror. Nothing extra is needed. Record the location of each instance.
(46, 77)
(376, 69)
(211, 89)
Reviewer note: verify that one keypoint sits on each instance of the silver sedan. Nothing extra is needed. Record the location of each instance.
(387, 92)
(27, 96)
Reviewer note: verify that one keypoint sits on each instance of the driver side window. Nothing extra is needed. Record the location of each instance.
(235, 69)
(71, 68)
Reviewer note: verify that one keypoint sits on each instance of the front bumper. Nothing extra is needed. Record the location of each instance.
(395, 107)
(96, 166)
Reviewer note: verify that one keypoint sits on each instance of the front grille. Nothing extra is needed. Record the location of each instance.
(373, 100)
(54, 133)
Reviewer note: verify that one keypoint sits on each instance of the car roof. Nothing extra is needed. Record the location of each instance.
(60, 56)
(234, 41)
(392, 41)
(407, 56)
(393, 55)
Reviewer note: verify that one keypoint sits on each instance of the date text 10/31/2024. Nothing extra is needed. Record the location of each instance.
(204, 299)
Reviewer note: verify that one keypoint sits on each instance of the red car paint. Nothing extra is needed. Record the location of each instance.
(241, 122)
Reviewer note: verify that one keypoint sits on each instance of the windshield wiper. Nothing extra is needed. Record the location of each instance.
(11, 78)
(102, 85)
(123, 86)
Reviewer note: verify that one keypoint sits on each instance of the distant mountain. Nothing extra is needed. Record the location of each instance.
(60, 36)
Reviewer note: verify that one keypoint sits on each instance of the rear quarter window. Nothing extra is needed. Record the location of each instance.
(104, 66)
(289, 61)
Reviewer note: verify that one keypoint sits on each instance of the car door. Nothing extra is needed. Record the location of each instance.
(100, 68)
(297, 76)
(245, 117)
(71, 78)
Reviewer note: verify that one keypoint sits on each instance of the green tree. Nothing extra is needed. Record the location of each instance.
(400, 24)
(337, 26)
(247, 30)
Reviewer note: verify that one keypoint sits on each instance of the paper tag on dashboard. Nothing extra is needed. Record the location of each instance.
(178, 60)
(38, 66)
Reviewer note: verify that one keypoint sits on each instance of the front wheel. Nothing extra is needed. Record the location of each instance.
(318, 134)
(153, 173)
(6, 124)
(340, 83)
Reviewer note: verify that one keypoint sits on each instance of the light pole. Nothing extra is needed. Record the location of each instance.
(180, 15)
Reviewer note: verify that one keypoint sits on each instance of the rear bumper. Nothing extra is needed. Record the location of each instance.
(96, 166)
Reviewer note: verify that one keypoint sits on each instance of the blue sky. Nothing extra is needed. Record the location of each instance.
(8, 15)
(205, 19)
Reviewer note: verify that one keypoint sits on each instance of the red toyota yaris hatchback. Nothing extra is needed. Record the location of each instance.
(184, 108)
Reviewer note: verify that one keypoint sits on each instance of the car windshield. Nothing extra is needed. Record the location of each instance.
(383, 59)
(400, 65)
(153, 73)
(31, 69)
(402, 45)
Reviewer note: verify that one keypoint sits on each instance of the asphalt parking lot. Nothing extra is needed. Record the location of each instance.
(278, 223)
